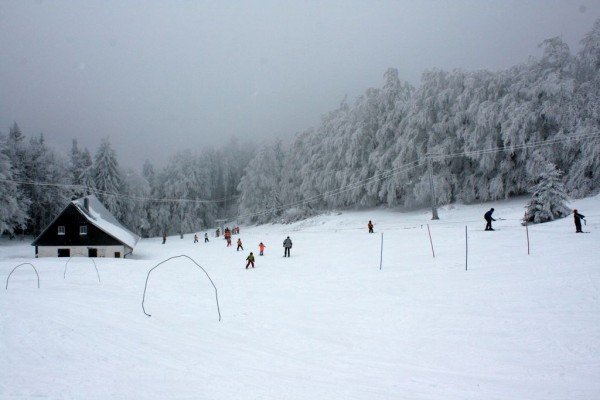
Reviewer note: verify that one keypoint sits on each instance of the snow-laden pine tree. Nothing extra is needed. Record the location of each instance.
(81, 163)
(548, 201)
(107, 177)
(12, 214)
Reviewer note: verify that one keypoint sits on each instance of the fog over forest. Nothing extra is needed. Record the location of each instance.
(485, 133)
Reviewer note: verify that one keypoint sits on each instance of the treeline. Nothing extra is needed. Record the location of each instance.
(36, 183)
(374, 151)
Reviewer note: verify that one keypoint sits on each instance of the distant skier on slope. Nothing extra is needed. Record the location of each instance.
(164, 238)
(239, 245)
(488, 218)
(287, 245)
(206, 237)
(578, 217)
(261, 248)
(195, 238)
(250, 260)
(370, 226)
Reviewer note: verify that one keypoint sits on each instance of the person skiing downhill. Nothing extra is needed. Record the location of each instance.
(578, 217)
(239, 245)
(250, 260)
(206, 238)
(488, 218)
(195, 238)
(370, 226)
(261, 247)
(287, 245)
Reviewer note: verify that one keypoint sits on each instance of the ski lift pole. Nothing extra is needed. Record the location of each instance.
(434, 213)
(381, 254)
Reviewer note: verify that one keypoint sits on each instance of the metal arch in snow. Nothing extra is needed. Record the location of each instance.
(38, 275)
(198, 265)
(89, 258)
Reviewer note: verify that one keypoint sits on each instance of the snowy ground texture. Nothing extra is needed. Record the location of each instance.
(323, 324)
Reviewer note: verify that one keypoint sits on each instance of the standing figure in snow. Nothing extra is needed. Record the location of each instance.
(164, 238)
(370, 226)
(287, 245)
(261, 247)
(488, 218)
(206, 237)
(195, 238)
(578, 217)
(217, 233)
(239, 243)
(250, 260)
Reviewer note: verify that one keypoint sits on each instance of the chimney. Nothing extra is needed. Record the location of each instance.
(86, 204)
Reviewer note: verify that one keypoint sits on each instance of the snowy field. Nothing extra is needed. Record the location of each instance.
(326, 323)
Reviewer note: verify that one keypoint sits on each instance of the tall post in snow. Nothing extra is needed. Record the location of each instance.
(466, 249)
(181, 219)
(434, 213)
(430, 241)
(381, 254)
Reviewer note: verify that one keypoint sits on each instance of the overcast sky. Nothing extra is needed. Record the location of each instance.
(159, 76)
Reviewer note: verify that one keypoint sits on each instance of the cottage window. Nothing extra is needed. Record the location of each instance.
(61, 230)
(83, 230)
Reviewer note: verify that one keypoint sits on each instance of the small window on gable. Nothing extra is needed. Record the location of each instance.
(83, 230)
(61, 230)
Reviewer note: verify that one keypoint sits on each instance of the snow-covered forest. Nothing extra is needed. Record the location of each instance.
(488, 135)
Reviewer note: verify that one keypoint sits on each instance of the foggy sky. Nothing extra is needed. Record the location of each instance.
(157, 77)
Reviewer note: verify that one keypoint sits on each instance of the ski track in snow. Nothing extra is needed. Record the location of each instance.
(323, 324)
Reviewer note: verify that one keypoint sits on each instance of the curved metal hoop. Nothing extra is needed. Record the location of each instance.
(38, 275)
(89, 258)
(198, 265)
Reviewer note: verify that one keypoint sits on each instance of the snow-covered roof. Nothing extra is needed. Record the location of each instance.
(99, 216)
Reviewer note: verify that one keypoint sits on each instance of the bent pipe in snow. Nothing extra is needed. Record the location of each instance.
(198, 265)
(38, 275)
(95, 267)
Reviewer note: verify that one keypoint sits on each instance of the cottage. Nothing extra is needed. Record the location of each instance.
(85, 228)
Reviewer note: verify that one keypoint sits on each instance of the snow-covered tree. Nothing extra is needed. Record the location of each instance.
(12, 214)
(548, 201)
(107, 177)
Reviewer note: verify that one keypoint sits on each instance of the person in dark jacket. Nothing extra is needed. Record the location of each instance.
(489, 219)
(206, 238)
(578, 217)
(250, 260)
(287, 245)
(239, 245)
(370, 226)
(164, 238)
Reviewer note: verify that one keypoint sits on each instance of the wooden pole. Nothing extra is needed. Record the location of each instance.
(430, 241)
(381, 255)
(466, 249)
(527, 233)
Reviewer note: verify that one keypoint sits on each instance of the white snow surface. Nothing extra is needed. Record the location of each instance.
(326, 323)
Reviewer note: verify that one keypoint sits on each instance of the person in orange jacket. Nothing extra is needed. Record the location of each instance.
(261, 247)
(370, 226)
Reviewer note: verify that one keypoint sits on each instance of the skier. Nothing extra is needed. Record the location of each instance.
(239, 244)
(287, 245)
(206, 237)
(164, 238)
(370, 226)
(578, 217)
(261, 247)
(195, 238)
(217, 233)
(489, 219)
(250, 260)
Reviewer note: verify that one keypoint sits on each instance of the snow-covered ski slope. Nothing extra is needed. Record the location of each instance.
(323, 324)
